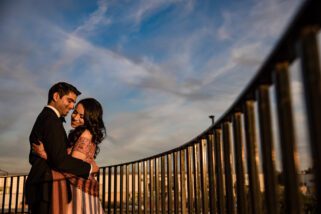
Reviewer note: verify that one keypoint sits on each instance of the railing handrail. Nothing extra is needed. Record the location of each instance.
(13, 175)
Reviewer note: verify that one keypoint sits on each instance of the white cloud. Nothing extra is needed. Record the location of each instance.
(96, 19)
(144, 9)
(249, 54)
(223, 32)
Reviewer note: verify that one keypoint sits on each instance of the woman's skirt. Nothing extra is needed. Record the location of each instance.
(84, 194)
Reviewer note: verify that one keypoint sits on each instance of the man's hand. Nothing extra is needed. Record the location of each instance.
(95, 168)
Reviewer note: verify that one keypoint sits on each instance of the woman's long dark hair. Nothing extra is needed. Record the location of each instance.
(93, 121)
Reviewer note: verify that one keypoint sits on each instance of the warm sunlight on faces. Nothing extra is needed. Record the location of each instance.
(77, 116)
(65, 103)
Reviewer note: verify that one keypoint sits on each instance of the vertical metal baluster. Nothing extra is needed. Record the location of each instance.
(228, 168)
(109, 191)
(267, 148)
(203, 179)
(218, 171)
(10, 194)
(115, 189)
(183, 183)
(133, 186)
(17, 194)
(156, 185)
(287, 139)
(211, 177)
(121, 191)
(4, 193)
(127, 189)
(190, 179)
(176, 188)
(151, 182)
(104, 189)
(252, 157)
(98, 181)
(163, 197)
(139, 188)
(310, 69)
(23, 194)
(99, 189)
(239, 163)
(145, 188)
(196, 179)
(169, 183)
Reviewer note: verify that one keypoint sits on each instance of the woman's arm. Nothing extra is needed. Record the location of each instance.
(81, 147)
(39, 150)
(79, 150)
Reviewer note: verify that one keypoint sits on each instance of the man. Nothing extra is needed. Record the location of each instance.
(49, 129)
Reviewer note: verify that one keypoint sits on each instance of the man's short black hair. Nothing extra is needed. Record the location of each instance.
(62, 88)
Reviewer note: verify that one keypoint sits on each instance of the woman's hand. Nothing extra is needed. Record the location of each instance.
(39, 150)
(94, 169)
(69, 150)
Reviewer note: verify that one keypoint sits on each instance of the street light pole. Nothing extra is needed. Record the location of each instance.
(212, 118)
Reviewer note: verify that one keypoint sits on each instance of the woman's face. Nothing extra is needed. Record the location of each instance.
(77, 116)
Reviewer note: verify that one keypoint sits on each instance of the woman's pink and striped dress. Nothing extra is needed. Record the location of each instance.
(84, 192)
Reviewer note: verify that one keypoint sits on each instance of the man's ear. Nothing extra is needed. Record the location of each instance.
(56, 96)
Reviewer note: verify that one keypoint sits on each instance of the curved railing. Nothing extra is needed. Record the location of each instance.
(207, 174)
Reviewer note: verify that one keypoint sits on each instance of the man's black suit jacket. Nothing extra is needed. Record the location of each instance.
(49, 129)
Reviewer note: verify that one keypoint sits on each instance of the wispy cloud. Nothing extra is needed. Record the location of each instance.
(96, 19)
(144, 9)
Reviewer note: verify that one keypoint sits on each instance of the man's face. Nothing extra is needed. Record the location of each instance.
(65, 103)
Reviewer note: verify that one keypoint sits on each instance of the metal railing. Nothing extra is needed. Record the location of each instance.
(208, 174)
(12, 194)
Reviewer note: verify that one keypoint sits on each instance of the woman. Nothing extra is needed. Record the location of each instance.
(89, 131)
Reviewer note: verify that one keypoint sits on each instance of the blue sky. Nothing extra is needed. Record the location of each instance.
(158, 67)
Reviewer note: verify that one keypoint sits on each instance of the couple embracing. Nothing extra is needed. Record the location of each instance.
(62, 176)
